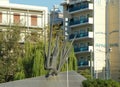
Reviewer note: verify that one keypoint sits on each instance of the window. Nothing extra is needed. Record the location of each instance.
(76, 19)
(16, 18)
(82, 45)
(0, 17)
(33, 20)
(82, 31)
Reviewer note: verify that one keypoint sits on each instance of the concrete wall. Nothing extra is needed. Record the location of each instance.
(114, 37)
(99, 38)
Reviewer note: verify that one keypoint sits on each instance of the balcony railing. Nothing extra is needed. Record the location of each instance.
(83, 63)
(82, 49)
(78, 8)
(82, 35)
(81, 21)
(78, 1)
(78, 21)
(81, 7)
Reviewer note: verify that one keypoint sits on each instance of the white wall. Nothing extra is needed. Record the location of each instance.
(99, 35)
(5, 18)
(23, 10)
(25, 18)
(4, 1)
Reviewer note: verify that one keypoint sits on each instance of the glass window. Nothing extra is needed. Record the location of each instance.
(76, 18)
(82, 31)
(82, 44)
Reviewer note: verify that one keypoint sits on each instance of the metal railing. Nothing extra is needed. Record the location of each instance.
(80, 35)
(83, 63)
(80, 7)
(78, 21)
(80, 49)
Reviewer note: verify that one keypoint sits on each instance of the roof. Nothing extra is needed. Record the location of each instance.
(74, 80)
(24, 7)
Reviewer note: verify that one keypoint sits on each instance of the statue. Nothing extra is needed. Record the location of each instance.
(55, 59)
(52, 63)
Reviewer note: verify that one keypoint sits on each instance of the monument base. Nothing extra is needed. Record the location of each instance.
(64, 79)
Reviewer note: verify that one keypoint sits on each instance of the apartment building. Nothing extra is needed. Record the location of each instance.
(32, 18)
(86, 21)
(113, 22)
(95, 26)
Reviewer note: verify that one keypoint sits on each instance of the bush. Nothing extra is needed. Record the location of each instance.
(86, 73)
(100, 83)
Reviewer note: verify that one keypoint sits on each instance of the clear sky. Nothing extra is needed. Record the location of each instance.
(48, 3)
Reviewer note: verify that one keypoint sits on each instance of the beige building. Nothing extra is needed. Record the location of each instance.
(113, 22)
(32, 18)
(91, 22)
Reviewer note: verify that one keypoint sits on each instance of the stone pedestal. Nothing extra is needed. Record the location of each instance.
(74, 80)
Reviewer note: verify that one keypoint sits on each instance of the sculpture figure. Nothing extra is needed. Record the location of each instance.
(56, 58)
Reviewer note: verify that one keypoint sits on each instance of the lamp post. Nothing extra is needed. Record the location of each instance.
(91, 63)
(108, 49)
(107, 61)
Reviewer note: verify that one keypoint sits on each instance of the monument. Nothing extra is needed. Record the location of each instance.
(55, 58)
(53, 65)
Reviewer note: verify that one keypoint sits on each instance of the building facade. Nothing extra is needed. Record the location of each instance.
(86, 21)
(95, 26)
(113, 22)
(32, 18)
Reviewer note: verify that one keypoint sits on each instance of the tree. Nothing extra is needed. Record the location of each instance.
(9, 52)
(32, 64)
(28, 59)
(72, 62)
(20, 70)
(33, 57)
(38, 65)
(19, 61)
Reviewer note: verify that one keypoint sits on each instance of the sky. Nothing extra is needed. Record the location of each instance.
(48, 3)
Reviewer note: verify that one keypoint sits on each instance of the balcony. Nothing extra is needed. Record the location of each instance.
(81, 8)
(78, 1)
(83, 63)
(79, 36)
(81, 22)
(84, 49)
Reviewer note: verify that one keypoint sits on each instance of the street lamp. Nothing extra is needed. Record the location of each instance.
(108, 49)
(107, 61)
(91, 63)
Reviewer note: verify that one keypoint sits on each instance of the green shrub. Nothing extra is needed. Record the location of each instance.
(100, 83)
